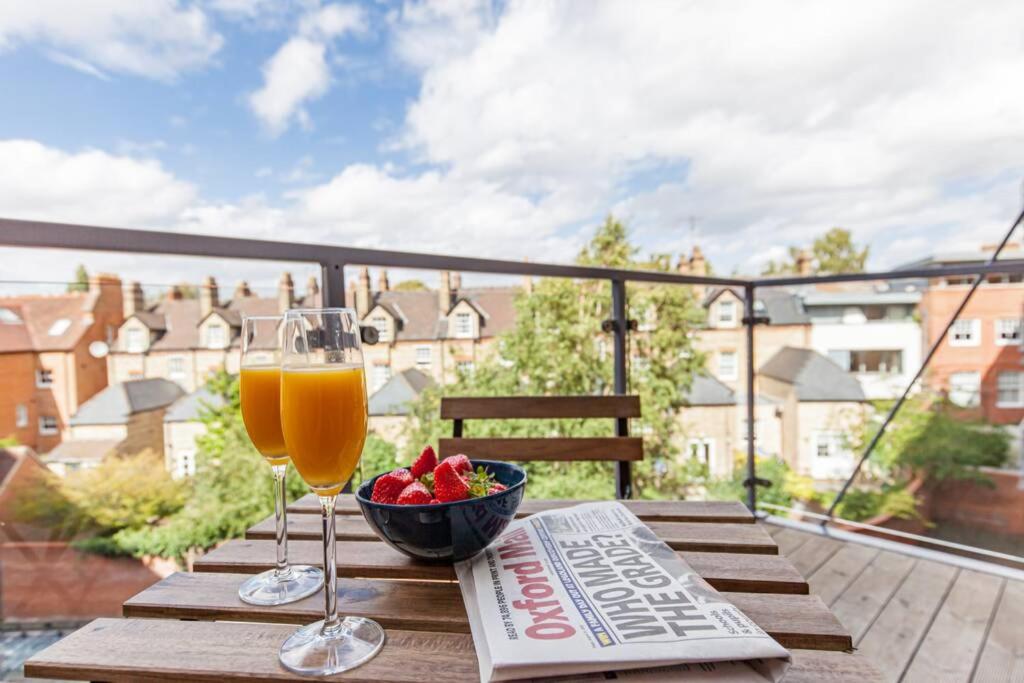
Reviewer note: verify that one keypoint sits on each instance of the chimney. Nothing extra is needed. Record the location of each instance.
(803, 262)
(312, 291)
(444, 294)
(285, 292)
(242, 290)
(382, 281)
(208, 299)
(134, 301)
(174, 293)
(683, 267)
(698, 266)
(456, 282)
(363, 292)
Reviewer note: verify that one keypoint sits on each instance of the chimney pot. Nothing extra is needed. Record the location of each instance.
(803, 262)
(444, 293)
(133, 300)
(363, 292)
(285, 293)
(208, 296)
(242, 290)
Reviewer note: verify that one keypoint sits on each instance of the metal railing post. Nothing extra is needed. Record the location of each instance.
(620, 328)
(748, 320)
(332, 281)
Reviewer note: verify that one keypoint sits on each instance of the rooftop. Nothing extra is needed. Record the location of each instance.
(190, 408)
(398, 392)
(118, 402)
(815, 377)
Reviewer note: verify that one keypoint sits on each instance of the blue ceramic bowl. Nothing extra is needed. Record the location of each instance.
(447, 532)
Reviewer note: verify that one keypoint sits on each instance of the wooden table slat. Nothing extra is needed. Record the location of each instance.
(793, 620)
(373, 559)
(647, 510)
(149, 650)
(710, 537)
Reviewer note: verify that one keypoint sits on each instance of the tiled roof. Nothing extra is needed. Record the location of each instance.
(189, 408)
(420, 315)
(38, 316)
(815, 377)
(118, 402)
(83, 449)
(398, 392)
(706, 390)
(781, 306)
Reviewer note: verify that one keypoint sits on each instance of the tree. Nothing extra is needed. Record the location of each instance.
(557, 348)
(833, 252)
(81, 282)
(411, 286)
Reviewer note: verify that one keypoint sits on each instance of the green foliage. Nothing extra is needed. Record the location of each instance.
(81, 281)
(410, 286)
(378, 456)
(9, 441)
(859, 505)
(833, 252)
(232, 488)
(787, 487)
(557, 348)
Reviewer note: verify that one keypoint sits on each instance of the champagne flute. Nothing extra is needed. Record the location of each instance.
(260, 388)
(323, 416)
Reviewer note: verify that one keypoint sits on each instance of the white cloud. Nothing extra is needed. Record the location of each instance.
(298, 72)
(428, 33)
(157, 39)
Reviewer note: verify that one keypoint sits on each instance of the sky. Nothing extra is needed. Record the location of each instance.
(510, 129)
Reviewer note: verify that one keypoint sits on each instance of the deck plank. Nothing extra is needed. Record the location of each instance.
(813, 553)
(648, 510)
(952, 644)
(839, 571)
(865, 598)
(724, 571)
(891, 640)
(788, 539)
(707, 537)
(152, 650)
(801, 621)
(1002, 658)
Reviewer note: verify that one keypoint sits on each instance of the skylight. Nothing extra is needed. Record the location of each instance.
(59, 327)
(9, 317)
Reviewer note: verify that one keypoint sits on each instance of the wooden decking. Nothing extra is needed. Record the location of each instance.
(915, 618)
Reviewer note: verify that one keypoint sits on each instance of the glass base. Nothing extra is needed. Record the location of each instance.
(310, 653)
(268, 589)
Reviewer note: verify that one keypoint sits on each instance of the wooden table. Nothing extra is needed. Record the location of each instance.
(192, 626)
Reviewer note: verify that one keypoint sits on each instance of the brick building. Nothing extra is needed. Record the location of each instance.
(45, 360)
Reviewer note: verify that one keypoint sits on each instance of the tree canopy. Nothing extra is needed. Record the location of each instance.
(81, 281)
(831, 253)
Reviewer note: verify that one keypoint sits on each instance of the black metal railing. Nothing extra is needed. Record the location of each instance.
(334, 259)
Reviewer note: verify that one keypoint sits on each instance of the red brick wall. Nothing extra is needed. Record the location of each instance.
(999, 509)
(18, 386)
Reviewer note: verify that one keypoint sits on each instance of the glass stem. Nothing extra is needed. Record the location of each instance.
(282, 571)
(331, 621)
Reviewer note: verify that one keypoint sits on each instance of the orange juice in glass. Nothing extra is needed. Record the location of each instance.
(323, 418)
(260, 393)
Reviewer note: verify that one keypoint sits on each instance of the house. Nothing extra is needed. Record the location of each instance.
(187, 340)
(822, 407)
(123, 419)
(873, 333)
(50, 347)
(979, 364)
(437, 332)
(390, 406)
(182, 425)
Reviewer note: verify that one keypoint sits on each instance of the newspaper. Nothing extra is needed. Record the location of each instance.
(591, 590)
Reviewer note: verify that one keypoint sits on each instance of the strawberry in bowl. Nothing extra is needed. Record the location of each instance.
(442, 510)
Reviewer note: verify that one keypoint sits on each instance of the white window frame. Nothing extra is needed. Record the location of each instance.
(1019, 402)
(44, 427)
(178, 373)
(1002, 325)
(221, 333)
(44, 378)
(730, 319)
(380, 323)
(463, 325)
(185, 464)
(734, 374)
(973, 337)
(134, 340)
(378, 373)
(465, 366)
(971, 388)
(424, 357)
(701, 449)
(21, 415)
(831, 442)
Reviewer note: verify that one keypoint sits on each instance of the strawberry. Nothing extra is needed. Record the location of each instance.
(389, 486)
(425, 463)
(460, 462)
(414, 494)
(434, 501)
(448, 484)
(496, 487)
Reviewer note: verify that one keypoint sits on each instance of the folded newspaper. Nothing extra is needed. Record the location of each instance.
(591, 590)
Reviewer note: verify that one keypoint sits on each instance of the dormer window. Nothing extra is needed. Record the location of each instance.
(464, 325)
(216, 336)
(133, 340)
(380, 322)
(727, 313)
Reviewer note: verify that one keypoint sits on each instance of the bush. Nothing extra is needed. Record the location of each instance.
(859, 505)
(787, 487)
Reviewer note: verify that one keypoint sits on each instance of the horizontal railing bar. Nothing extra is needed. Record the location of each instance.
(19, 233)
(1000, 267)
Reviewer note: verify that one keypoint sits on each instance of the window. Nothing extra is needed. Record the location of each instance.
(185, 465)
(176, 367)
(133, 340)
(380, 322)
(48, 425)
(727, 313)
(464, 367)
(9, 317)
(59, 327)
(702, 450)
(965, 333)
(1007, 331)
(727, 365)
(424, 356)
(881, 362)
(215, 337)
(463, 325)
(1010, 390)
(44, 378)
(965, 389)
(21, 415)
(379, 376)
(826, 445)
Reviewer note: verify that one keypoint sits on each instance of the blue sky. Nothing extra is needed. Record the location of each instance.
(509, 129)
